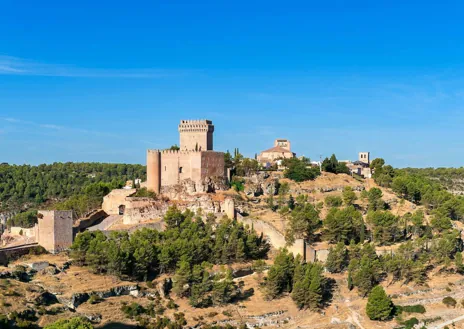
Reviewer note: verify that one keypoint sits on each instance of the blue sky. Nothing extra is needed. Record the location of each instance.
(105, 80)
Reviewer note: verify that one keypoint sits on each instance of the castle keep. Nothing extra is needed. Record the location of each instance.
(195, 163)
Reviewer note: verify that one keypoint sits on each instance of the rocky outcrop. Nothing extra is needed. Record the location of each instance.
(260, 183)
(77, 299)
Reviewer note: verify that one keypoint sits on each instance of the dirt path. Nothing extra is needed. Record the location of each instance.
(447, 323)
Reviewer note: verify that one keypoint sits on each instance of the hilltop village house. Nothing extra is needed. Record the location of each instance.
(281, 150)
(194, 163)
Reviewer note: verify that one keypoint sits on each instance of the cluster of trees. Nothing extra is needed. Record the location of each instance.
(415, 186)
(410, 262)
(239, 165)
(33, 185)
(304, 281)
(204, 288)
(449, 178)
(334, 166)
(24, 219)
(300, 170)
(186, 240)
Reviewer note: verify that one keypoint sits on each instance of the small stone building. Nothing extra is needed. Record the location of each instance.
(281, 150)
(54, 230)
(195, 163)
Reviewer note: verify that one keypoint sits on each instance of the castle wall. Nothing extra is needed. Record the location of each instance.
(212, 164)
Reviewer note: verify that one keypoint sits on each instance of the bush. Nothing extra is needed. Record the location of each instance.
(144, 193)
(95, 299)
(172, 305)
(74, 323)
(409, 324)
(133, 310)
(333, 201)
(412, 309)
(450, 301)
(238, 184)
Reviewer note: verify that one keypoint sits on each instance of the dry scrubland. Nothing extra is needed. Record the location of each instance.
(346, 309)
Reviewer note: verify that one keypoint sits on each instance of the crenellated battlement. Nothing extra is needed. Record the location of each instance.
(180, 152)
(196, 126)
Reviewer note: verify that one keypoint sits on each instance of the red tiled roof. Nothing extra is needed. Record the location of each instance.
(277, 149)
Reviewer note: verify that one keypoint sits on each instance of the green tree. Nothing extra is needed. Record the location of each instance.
(280, 275)
(379, 306)
(349, 197)
(333, 201)
(304, 220)
(299, 170)
(337, 260)
(342, 225)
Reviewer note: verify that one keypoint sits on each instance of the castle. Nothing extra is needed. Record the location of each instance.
(195, 163)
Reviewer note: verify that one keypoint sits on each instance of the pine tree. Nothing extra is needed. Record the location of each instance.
(291, 202)
(379, 306)
(182, 278)
(315, 290)
(240, 255)
(459, 263)
(299, 289)
(337, 259)
(350, 281)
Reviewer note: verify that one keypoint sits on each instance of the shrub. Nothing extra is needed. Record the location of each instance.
(133, 310)
(449, 301)
(227, 313)
(409, 324)
(172, 305)
(333, 201)
(95, 299)
(74, 323)
(411, 309)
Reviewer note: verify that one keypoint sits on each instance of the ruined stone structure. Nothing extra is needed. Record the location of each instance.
(54, 230)
(195, 164)
(281, 150)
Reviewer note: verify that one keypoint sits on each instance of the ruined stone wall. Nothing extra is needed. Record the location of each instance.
(114, 199)
(16, 230)
(275, 238)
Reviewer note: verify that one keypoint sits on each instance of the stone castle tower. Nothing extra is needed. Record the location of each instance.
(196, 135)
(195, 161)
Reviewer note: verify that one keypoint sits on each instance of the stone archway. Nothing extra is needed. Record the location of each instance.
(122, 209)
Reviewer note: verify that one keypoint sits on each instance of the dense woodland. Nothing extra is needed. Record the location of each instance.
(25, 186)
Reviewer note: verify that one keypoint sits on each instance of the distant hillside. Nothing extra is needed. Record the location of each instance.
(24, 186)
(450, 178)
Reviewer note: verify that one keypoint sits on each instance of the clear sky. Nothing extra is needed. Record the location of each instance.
(105, 80)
